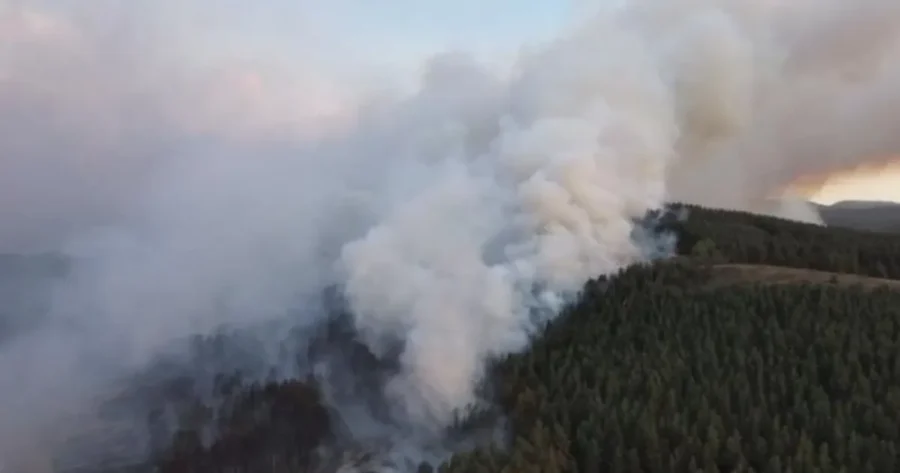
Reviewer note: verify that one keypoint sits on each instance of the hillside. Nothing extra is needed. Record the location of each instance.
(739, 237)
(768, 346)
(714, 364)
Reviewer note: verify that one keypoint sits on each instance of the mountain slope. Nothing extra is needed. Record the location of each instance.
(768, 345)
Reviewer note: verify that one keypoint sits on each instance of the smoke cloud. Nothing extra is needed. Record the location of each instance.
(93, 102)
(819, 97)
(454, 219)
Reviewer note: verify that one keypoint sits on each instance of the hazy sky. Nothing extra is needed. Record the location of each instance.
(94, 94)
(876, 185)
(400, 34)
(343, 33)
(104, 78)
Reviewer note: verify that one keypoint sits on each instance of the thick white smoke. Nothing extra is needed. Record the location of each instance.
(454, 219)
(797, 89)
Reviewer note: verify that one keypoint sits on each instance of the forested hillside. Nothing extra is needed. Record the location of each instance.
(658, 373)
(748, 238)
(671, 367)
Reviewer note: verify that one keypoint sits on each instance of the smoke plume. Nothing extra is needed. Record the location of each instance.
(454, 219)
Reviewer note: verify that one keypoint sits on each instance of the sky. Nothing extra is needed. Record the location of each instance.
(878, 185)
(95, 94)
(395, 34)
(406, 32)
(105, 77)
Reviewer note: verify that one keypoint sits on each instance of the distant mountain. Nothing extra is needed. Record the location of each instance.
(863, 204)
(863, 215)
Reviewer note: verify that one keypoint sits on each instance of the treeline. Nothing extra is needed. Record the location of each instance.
(741, 237)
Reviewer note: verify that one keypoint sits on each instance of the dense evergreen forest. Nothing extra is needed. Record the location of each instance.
(653, 370)
(747, 238)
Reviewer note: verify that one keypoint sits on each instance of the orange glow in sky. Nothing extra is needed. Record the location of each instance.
(867, 183)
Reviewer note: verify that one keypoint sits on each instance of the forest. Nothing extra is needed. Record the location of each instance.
(655, 369)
